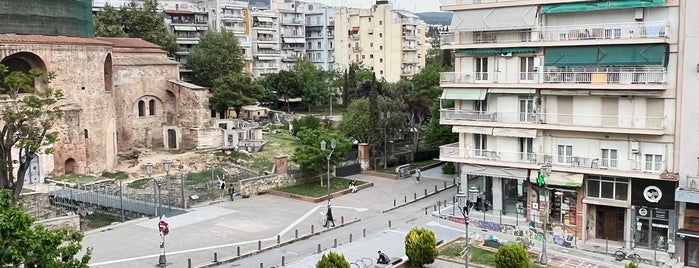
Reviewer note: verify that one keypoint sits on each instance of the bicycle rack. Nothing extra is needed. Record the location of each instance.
(362, 263)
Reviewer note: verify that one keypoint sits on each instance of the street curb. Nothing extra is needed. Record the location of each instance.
(213, 264)
(419, 198)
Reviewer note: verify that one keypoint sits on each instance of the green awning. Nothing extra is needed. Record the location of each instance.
(463, 94)
(599, 5)
(498, 50)
(622, 55)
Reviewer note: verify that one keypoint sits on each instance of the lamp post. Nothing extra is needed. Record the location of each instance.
(149, 172)
(385, 117)
(323, 144)
(166, 166)
(467, 201)
(544, 173)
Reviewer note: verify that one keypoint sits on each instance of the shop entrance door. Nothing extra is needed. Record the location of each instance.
(610, 223)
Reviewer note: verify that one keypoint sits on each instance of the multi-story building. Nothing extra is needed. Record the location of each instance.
(320, 24)
(233, 16)
(587, 88)
(265, 43)
(292, 31)
(189, 24)
(381, 39)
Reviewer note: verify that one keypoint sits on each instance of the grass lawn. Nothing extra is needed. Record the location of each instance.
(101, 220)
(118, 175)
(314, 189)
(76, 178)
(278, 144)
(480, 256)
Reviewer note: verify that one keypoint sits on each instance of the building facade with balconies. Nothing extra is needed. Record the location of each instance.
(320, 24)
(588, 88)
(292, 31)
(265, 43)
(233, 16)
(388, 41)
(189, 24)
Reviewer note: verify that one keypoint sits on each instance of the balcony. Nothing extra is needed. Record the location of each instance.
(689, 192)
(411, 60)
(354, 36)
(409, 47)
(264, 25)
(453, 153)
(267, 52)
(573, 122)
(411, 35)
(356, 49)
(292, 21)
(550, 77)
(644, 32)
(268, 40)
(410, 21)
(232, 15)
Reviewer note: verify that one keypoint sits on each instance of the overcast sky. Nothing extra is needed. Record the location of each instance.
(412, 5)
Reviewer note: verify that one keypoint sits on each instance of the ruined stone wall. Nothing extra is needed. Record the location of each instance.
(197, 126)
(86, 134)
(143, 77)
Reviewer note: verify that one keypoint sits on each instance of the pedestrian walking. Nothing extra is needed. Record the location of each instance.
(231, 191)
(417, 175)
(221, 185)
(329, 217)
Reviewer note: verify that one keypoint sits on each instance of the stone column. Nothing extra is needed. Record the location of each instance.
(364, 155)
(281, 164)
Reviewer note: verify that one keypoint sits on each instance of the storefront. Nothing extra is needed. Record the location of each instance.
(653, 206)
(688, 243)
(558, 199)
(605, 205)
(503, 189)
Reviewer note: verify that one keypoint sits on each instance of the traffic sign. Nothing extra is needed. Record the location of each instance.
(163, 227)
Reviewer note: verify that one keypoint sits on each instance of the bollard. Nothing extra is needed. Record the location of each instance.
(606, 247)
(453, 181)
(425, 211)
(445, 185)
(296, 233)
(394, 202)
(350, 238)
(364, 233)
(283, 260)
(238, 251)
(279, 240)
(434, 208)
(335, 243)
(259, 244)
(189, 263)
(425, 192)
(389, 223)
(318, 248)
(415, 196)
(312, 228)
(342, 220)
(215, 257)
(405, 199)
(435, 188)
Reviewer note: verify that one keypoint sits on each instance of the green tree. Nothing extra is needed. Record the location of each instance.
(631, 265)
(436, 134)
(217, 55)
(286, 85)
(137, 21)
(512, 256)
(27, 121)
(420, 246)
(314, 82)
(332, 260)
(234, 90)
(25, 244)
(307, 122)
(309, 155)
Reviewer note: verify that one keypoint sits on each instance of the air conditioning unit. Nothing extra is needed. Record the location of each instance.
(634, 147)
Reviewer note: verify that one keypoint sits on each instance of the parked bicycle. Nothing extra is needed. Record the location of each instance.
(621, 254)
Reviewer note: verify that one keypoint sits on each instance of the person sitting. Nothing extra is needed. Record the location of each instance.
(383, 258)
(353, 186)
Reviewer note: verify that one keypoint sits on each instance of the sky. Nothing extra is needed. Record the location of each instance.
(411, 5)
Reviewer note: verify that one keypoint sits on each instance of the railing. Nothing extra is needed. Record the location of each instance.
(411, 60)
(292, 21)
(582, 75)
(409, 35)
(268, 25)
(356, 49)
(586, 120)
(268, 39)
(235, 15)
(410, 21)
(446, 38)
(409, 47)
(354, 36)
(622, 164)
(636, 30)
(692, 184)
(267, 51)
(469, 2)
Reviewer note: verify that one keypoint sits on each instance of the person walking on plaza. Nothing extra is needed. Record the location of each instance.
(417, 175)
(329, 217)
(231, 191)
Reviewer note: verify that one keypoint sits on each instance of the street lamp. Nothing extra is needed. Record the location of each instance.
(385, 117)
(166, 166)
(333, 143)
(467, 200)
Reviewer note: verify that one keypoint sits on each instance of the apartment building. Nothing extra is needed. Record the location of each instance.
(390, 42)
(265, 43)
(292, 31)
(320, 24)
(233, 16)
(189, 22)
(588, 89)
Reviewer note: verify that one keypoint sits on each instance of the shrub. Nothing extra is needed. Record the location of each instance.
(631, 265)
(512, 256)
(448, 168)
(420, 246)
(332, 260)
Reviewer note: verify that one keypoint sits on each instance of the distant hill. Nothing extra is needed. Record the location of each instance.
(259, 3)
(443, 18)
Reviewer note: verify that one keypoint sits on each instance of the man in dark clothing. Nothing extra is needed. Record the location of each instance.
(383, 258)
(231, 191)
(329, 217)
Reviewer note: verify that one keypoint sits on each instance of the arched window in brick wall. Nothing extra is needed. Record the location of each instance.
(151, 107)
(141, 108)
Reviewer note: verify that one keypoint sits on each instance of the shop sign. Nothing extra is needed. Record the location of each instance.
(658, 225)
(653, 193)
(660, 214)
(643, 212)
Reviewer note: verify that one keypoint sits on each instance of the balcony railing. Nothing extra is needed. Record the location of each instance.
(609, 31)
(410, 21)
(411, 60)
(584, 120)
(267, 51)
(621, 164)
(268, 39)
(264, 25)
(409, 47)
(469, 2)
(356, 49)
(292, 21)
(553, 75)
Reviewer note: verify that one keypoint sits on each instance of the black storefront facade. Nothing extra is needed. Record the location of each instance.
(653, 206)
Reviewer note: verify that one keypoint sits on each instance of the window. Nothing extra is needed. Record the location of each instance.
(609, 158)
(369, 19)
(331, 45)
(141, 108)
(380, 47)
(371, 56)
(653, 163)
(481, 144)
(565, 154)
(526, 151)
(380, 60)
(310, 7)
(480, 105)
(380, 34)
(481, 68)
(608, 187)
(371, 44)
(319, 46)
(612, 33)
(85, 133)
(380, 22)
(381, 72)
(151, 107)
(526, 109)
(526, 68)
(363, 56)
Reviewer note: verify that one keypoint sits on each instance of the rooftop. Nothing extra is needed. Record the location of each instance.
(45, 39)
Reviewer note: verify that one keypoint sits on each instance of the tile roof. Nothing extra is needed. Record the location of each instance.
(128, 42)
(46, 39)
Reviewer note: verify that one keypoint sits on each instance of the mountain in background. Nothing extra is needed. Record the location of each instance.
(259, 3)
(443, 18)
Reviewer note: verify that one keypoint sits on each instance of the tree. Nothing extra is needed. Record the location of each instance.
(234, 90)
(631, 265)
(308, 122)
(420, 246)
(137, 20)
(25, 244)
(314, 83)
(512, 256)
(309, 155)
(28, 114)
(217, 55)
(286, 85)
(332, 260)
(436, 134)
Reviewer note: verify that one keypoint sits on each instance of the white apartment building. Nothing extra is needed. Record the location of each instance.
(265, 43)
(233, 16)
(320, 24)
(390, 42)
(189, 21)
(589, 88)
(292, 31)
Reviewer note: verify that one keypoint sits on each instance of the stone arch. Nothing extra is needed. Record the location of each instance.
(69, 166)
(141, 108)
(108, 71)
(151, 107)
(23, 62)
